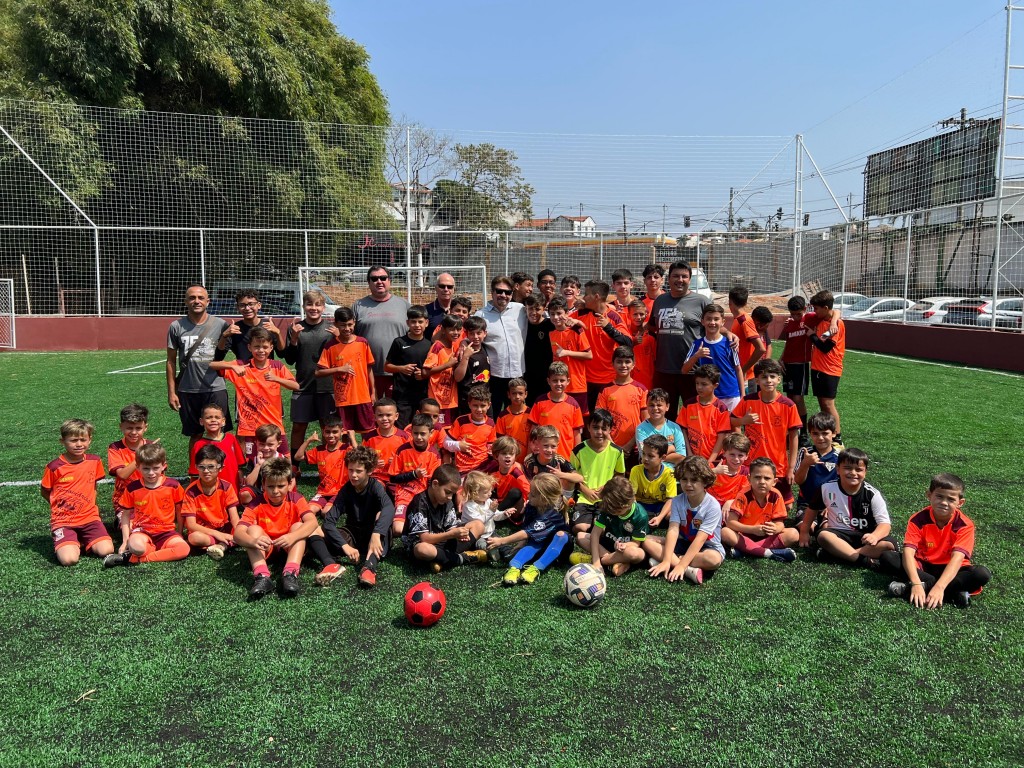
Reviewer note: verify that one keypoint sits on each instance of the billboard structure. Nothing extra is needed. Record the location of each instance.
(947, 169)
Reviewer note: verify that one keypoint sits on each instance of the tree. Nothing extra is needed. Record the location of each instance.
(494, 187)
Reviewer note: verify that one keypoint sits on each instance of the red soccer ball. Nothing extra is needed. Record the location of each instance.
(424, 605)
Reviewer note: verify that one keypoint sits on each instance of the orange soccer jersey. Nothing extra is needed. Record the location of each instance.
(935, 546)
(565, 416)
(72, 489)
(746, 331)
(386, 447)
(627, 403)
(408, 459)
(516, 478)
(119, 456)
(234, 458)
(829, 363)
(276, 521)
(769, 436)
(516, 426)
(154, 510)
(573, 341)
(600, 370)
(258, 400)
(753, 513)
(644, 353)
(442, 386)
(703, 423)
(478, 436)
(729, 487)
(331, 467)
(349, 388)
(209, 509)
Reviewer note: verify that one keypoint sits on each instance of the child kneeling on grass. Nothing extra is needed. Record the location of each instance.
(693, 545)
(279, 518)
(620, 529)
(757, 518)
(936, 564)
(433, 534)
(545, 531)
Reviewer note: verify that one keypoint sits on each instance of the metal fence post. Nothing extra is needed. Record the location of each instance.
(99, 286)
(305, 246)
(600, 255)
(507, 271)
(846, 250)
(202, 256)
(906, 268)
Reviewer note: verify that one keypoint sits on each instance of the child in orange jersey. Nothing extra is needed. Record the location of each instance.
(470, 437)
(560, 411)
(751, 347)
(772, 423)
(210, 507)
(440, 365)
(937, 550)
(570, 345)
(153, 507)
(411, 466)
(269, 445)
(756, 522)
(386, 439)
(511, 483)
(828, 349)
(606, 330)
(349, 360)
(732, 476)
(279, 518)
(514, 421)
(329, 459)
(705, 419)
(645, 346)
(212, 418)
(626, 401)
(69, 487)
(258, 386)
(121, 457)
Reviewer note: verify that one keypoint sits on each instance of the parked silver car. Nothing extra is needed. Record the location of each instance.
(931, 310)
(883, 308)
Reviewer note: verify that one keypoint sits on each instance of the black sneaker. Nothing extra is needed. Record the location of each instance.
(961, 599)
(289, 584)
(116, 558)
(897, 589)
(261, 587)
(782, 555)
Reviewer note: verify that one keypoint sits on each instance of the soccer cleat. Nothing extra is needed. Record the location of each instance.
(475, 556)
(961, 599)
(289, 584)
(735, 553)
(328, 574)
(529, 575)
(435, 567)
(578, 558)
(215, 551)
(511, 577)
(696, 575)
(494, 555)
(897, 589)
(782, 555)
(116, 558)
(367, 578)
(261, 587)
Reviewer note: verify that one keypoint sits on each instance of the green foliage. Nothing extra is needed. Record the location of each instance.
(488, 192)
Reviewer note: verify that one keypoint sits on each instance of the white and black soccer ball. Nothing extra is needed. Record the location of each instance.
(584, 585)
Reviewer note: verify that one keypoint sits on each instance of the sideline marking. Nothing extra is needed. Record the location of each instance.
(938, 364)
(28, 483)
(135, 368)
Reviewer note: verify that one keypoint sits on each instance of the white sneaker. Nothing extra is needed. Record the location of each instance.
(696, 575)
(215, 551)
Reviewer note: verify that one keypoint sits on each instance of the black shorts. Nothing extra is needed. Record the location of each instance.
(308, 407)
(583, 514)
(192, 409)
(853, 538)
(607, 542)
(824, 385)
(795, 379)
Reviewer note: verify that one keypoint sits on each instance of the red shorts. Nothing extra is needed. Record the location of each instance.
(785, 489)
(384, 384)
(400, 511)
(358, 418)
(83, 536)
(323, 500)
(158, 540)
(448, 417)
(583, 400)
(248, 444)
(226, 528)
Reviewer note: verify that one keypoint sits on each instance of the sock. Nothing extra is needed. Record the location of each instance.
(447, 561)
(261, 570)
(553, 550)
(318, 547)
(749, 547)
(178, 549)
(292, 568)
(371, 562)
(525, 554)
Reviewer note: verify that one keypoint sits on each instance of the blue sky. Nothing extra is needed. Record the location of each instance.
(852, 77)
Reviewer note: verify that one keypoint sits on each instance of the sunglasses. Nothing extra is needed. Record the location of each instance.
(379, 278)
(444, 287)
(503, 291)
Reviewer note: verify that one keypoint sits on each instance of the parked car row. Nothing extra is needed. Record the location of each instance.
(934, 310)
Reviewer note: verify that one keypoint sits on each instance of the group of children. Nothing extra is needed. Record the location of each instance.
(443, 473)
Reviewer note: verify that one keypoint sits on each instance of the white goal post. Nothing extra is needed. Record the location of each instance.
(342, 286)
(8, 340)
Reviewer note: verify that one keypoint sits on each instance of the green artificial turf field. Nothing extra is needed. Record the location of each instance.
(766, 664)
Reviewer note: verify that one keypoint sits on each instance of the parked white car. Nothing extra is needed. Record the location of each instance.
(931, 310)
(844, 301)
(699, 283)
(883, 308)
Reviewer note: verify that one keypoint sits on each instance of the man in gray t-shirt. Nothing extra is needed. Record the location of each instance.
(192, 341)
(380, 319)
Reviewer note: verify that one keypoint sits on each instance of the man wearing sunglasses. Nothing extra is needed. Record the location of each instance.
(380, 319)
(506, 331)
(442, 305)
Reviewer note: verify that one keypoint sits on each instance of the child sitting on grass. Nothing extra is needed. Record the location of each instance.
(433, 534)
(693, 546)
(937, 549)
(411, 467)
(597, 461)
(121, 456)
(545, 532)
(620, 529)
(278, 519)
(653, 482)
(210, 508)
(732, 475)
(756, 521)
(479, 510)
(269, 445)
(511, 484)
(329, 460)
(817, 464)
(69, 487)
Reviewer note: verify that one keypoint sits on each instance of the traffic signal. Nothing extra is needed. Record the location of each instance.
(807, 219)
(686, 221)
(778, 213)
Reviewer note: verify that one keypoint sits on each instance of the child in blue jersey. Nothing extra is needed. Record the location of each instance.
(545, 531)
(714, 348)
(817, 465)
